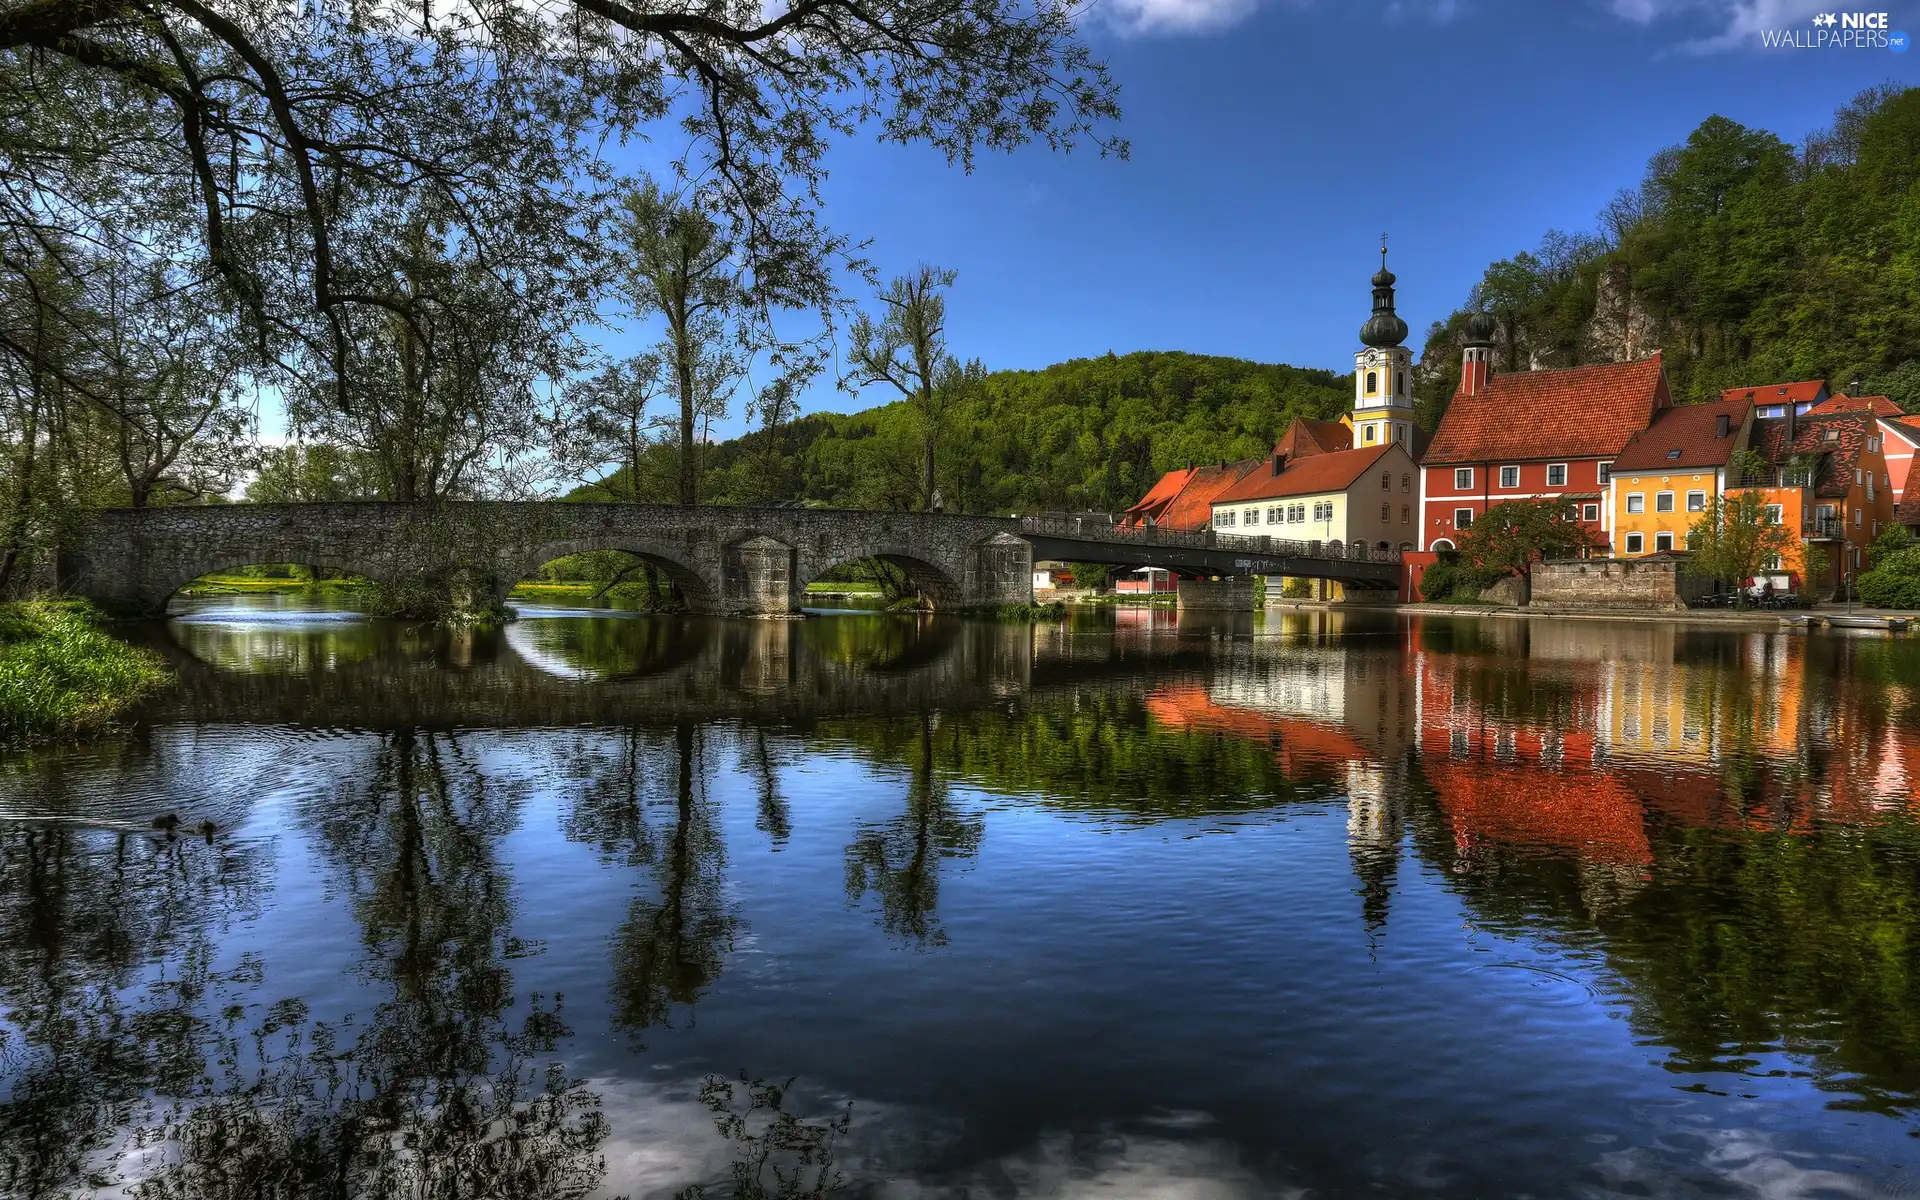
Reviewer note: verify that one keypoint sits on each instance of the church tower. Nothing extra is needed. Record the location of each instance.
(1383, 372)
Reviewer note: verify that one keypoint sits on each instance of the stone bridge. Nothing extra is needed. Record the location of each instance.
(723, 559)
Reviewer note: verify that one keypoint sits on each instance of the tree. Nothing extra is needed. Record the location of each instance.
(441, 385)
(609, 421)
(907, 351)
(681, 266)
(1737, 534)
(255, 121)
(1513, 534)
(308, 473)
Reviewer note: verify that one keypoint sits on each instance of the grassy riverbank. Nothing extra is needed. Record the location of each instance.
(254, 585)
(63, 676)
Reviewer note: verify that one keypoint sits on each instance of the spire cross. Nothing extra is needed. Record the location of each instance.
(1383, 249)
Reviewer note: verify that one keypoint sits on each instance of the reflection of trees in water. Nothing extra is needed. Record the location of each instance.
(193, 1090)
(673, 943)
(1736, 942)
(778, 1155)
(1091, 752)
(84, 916)
(900, 860)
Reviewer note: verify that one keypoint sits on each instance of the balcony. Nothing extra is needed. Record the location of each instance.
(1826, 527)
(1777, 478)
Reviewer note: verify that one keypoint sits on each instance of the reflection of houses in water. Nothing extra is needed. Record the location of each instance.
(1344, 714)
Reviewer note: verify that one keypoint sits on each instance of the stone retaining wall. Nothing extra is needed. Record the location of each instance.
(1628, 583)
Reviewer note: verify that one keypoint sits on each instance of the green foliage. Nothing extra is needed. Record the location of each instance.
(1514, 533)
(1087, 435)
(1733, 538)
(62, 676)
(1297, 588)
(1894, 581)
(1743, 260)
(1454, 579)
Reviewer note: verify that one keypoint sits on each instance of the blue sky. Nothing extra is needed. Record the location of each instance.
(1275, 140)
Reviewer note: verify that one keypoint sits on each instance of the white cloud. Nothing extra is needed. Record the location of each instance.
(1173, 16)
(1739, 22)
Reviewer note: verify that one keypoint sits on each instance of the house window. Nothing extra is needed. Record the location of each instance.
(1226, 520)
(1463, 518)
(1634, 543)
(1693, 539)
(1253, 516)
(1509, 477)
(1557, 475)
(1386, 512)
(1406, 515)
(1463, 478)
(1770, 563)
(1696, 502)
(1606, 474)
(1636, 502)
(1590, 512)
(1406, 482)
(1856, 518)
(1400, 383)
(1774, 516)
(1369, 433)
(1323, 510)
(1662, 541)
(1663, 502)
(1373, 382)
(1386, 481)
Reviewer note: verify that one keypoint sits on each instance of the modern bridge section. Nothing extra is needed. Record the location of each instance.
(1203, 554)
(724, 559)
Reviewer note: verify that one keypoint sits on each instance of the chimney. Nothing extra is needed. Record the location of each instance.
(1721, 425)
(1793, 423)
(1853, 389)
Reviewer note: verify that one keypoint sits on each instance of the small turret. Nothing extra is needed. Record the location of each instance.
(1476, 364)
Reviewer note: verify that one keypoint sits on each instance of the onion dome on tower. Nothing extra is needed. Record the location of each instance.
(1384, 328)
(1480, 329)
(1382, 392)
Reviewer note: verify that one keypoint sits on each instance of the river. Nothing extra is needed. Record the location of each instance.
(1135, 906)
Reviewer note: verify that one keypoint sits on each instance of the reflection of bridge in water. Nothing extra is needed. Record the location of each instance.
(721, 559)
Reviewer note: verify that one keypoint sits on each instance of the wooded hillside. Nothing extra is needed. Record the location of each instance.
(1745, 259)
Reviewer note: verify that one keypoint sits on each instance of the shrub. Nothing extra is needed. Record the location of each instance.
(1894, 582)
(62, 675)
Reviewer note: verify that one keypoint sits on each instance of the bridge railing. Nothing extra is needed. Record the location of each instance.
(1104, 527)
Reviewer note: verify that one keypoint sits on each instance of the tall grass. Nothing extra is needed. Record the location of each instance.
(62, 675)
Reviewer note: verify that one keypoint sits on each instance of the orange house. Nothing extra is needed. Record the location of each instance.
(1827, 476)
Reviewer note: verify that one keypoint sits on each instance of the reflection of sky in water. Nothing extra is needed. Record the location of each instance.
(1427, 973)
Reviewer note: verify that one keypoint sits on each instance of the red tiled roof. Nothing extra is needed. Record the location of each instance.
(1879, 406)
(1778, 393)
(1585, 412)
(1688, 430)
(1319, 473)
(1162, 493)
(1838, 455)
(1907, 512)
(1193, 507)
(1308, 436)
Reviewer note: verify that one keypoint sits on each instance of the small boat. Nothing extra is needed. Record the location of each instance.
(1849, 621)
(1803, 621)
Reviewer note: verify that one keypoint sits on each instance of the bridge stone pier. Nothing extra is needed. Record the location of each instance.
(724, 559)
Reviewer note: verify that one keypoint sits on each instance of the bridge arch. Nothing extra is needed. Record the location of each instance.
(941, 586)
(702, 594)
(212, 560)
